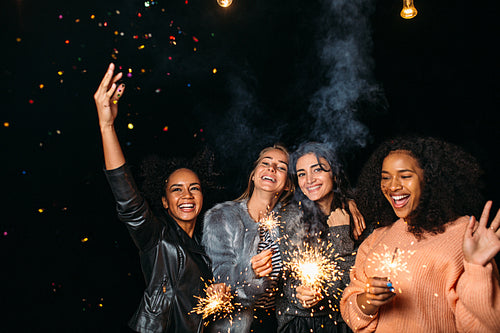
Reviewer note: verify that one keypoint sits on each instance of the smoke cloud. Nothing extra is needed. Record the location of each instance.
(345, 53)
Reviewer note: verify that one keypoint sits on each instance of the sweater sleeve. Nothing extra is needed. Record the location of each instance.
(477, 299)
(343, 255)
(351, 313)
(132, 209)
(223, 237)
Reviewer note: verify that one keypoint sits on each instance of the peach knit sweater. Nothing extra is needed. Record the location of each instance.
(436, 290)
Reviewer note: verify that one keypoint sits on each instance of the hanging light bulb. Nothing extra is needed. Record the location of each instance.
(409, 11)
(224, 3)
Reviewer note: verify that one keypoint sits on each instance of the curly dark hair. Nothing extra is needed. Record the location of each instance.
(155, 170)
(315, 222)
(451, 187)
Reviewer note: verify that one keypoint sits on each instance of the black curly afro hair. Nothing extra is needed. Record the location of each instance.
(451, 187)
(155, 170)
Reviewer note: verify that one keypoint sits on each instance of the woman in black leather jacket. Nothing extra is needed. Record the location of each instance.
(172, 259)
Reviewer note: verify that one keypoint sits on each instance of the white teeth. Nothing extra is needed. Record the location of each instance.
(312, 188)
(399, 197)
(268, 178)
(186, 206)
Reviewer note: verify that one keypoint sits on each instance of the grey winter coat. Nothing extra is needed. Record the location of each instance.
(292, 233)
(230, 239)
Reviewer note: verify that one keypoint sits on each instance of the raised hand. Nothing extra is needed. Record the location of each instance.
(106, 100)
(481, 243)
(107, 95)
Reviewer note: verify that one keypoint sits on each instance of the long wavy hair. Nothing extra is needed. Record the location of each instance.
(451, 186)
(314, 221)
(289, 188)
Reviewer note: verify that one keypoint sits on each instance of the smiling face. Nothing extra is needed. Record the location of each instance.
(270, 174)
(315, 179)
(401, 182)
(183, 197)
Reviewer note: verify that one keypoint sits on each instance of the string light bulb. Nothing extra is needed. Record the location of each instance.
(224, 3)
(409, 11)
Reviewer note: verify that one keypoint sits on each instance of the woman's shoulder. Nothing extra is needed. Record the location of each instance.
(224, 211)
(457, 227)
(290, 210)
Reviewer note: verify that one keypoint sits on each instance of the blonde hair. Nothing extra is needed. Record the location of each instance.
(289, 186)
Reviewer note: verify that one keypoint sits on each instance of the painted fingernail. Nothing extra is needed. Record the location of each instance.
(389, 284)
(392, 289)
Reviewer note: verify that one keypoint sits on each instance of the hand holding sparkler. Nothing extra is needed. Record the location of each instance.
(481, 244)
(217, 302)
(378, 291)
(308, 296)
(262, 263)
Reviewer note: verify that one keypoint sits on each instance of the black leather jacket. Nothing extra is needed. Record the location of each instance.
(172, 262)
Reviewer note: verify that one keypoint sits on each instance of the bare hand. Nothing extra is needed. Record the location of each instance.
(106, 97)
(262, 263)
(481, 244)
(338, 217)
(358, 219)
(221, 289)
(378, 291)
(307, 296)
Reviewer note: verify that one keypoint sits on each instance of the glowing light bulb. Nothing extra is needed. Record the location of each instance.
(224, 3)
(409, 11)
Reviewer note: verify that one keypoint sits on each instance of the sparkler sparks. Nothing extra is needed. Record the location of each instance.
(391, 263)
(216, 304)
(313, 267)
(270, 223)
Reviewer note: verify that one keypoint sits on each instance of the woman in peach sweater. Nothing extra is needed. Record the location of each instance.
(433, 269)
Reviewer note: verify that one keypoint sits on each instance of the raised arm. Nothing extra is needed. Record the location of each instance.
(106, 99)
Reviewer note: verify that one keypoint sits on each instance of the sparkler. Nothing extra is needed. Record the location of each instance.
(270, 223)
(391, 263)
(313, 267)
(216, 304)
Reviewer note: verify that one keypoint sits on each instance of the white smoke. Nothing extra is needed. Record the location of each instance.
(345, 53)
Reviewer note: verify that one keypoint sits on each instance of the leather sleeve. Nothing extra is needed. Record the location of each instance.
(132, 209)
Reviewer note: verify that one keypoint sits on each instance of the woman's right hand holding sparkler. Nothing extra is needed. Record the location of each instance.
(378, 291)
(221, 289)
(308, 296)
(262, 263)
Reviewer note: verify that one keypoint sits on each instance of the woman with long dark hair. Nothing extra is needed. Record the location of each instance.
(320, 217)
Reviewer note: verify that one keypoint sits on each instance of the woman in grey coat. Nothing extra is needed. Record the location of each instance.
(319, 216)
(245, 256)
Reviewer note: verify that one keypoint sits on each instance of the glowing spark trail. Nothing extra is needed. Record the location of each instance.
(270, 223)
(391, 263)
(313, 267)
(218, 305)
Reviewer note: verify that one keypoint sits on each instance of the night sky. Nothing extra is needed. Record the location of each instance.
(351, 72)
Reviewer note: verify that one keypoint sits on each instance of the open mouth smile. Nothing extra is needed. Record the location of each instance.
(400, 200)
(186, 206)
(269, 179)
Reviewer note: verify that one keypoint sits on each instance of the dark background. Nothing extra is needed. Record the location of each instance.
(433, 75)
